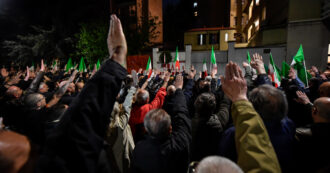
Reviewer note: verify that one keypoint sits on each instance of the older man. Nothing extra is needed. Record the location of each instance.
(142, 107)
(166, 148)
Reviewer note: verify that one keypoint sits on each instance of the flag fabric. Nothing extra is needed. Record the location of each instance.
(149, 67)
(204, 68)
(299, 57)
(32, 66)
(248, 57)
(285, 69)
(214, 61)
(98, 64)
(273, 71)
(176, 60)
(54, 65)
(298, 64)
(69, 65)
(82, 66)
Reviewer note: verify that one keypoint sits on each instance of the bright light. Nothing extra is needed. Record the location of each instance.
(250, 10)
(201, 39)
(195, 4)
(226, 37)
(256, 23)
(195, 13)
(257, 2)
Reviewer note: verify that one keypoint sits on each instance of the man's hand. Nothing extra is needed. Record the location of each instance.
(178, 81)
(292, 74)
(192, 73)
(315, 70)
(213, 73)
(258, 63)
(27, 73)
(42, 66)
(234, 84)
(117, 45)
(167, 77)
(4, 72)
(302, 98)
(245, 64)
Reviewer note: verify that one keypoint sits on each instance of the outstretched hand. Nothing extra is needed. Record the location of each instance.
(192, 73)
(302, 98)
(178, 81)
(117, 45)
(234, 84)
(258, 63)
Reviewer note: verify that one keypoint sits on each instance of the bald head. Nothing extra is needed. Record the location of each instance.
(216, 164)
(321, 113)
(14, 92)
(142, 97)
(325, 89)
(80, 86)
(171, 90)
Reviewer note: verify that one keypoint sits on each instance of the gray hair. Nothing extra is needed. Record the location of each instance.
(157, 123)
(142, 96)
(217, 164)
(31, 100)
(269, 102)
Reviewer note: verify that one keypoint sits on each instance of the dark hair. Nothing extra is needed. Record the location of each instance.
(269, 102)
(205, 104)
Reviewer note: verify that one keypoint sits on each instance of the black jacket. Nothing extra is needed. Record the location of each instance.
(170, 154)
(76, 144)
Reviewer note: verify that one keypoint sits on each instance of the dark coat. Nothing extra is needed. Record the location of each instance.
(170, 154)
(76, 144)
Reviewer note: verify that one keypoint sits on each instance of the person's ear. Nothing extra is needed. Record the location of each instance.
(314, 111)
(39, 104)
(170, 129)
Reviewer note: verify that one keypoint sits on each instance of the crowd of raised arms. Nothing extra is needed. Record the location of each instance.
(58, 121)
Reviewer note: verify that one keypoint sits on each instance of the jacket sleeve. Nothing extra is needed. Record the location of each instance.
(78, 139)
(127, 105)
(188, 90)
(159, 99)
(254, 148)
(35, 83)
(248, 76)
(181, 124)
(262, 79)
(223, 113)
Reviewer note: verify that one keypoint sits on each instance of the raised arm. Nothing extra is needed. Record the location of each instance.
(254, 148)
(36, 81)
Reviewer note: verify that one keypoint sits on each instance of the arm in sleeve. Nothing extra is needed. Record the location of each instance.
(248, 76)
(188, 90)
(35, 83)
(254, 149)
(127, 105)
(223, 113)
(159, 99)
(263, 79)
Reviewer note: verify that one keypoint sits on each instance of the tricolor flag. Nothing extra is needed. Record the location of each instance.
(298, 64)
(204, 68)
(98, 64)
(176, 60)
(273, 71)
(248, 57)
(214, 61)
(69, 65)
(149, 68)
(54, 65)
(82, 66)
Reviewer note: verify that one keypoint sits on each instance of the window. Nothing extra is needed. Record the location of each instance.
(249, 32)
(214, 38)
(201, 39)
(195, 4)
(257, 2)
(195, 13)
(250, 10)
(226, 37)
(264, 13)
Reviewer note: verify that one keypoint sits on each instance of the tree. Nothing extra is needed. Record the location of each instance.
(91, 41)
(41, 43)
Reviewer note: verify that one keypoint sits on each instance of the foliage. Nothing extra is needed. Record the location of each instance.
(41, 43)
(168, 57)
(91, 41)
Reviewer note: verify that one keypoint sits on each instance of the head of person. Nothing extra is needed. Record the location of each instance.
(43, 87)
(205, 85)
(158, 123)
(80, 86)
(321, 110)
(14, 92)
(205, 104)
(35, 101)
(217, 164)
(142, 97)
(325, 89)
(72, 88)
(269, 102)
(170, 90)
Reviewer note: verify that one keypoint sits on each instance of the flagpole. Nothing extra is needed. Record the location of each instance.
(306, 73)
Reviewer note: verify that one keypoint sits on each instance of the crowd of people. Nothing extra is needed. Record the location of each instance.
(52, 120)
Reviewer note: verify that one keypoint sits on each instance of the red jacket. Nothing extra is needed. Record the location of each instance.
(139, 112)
